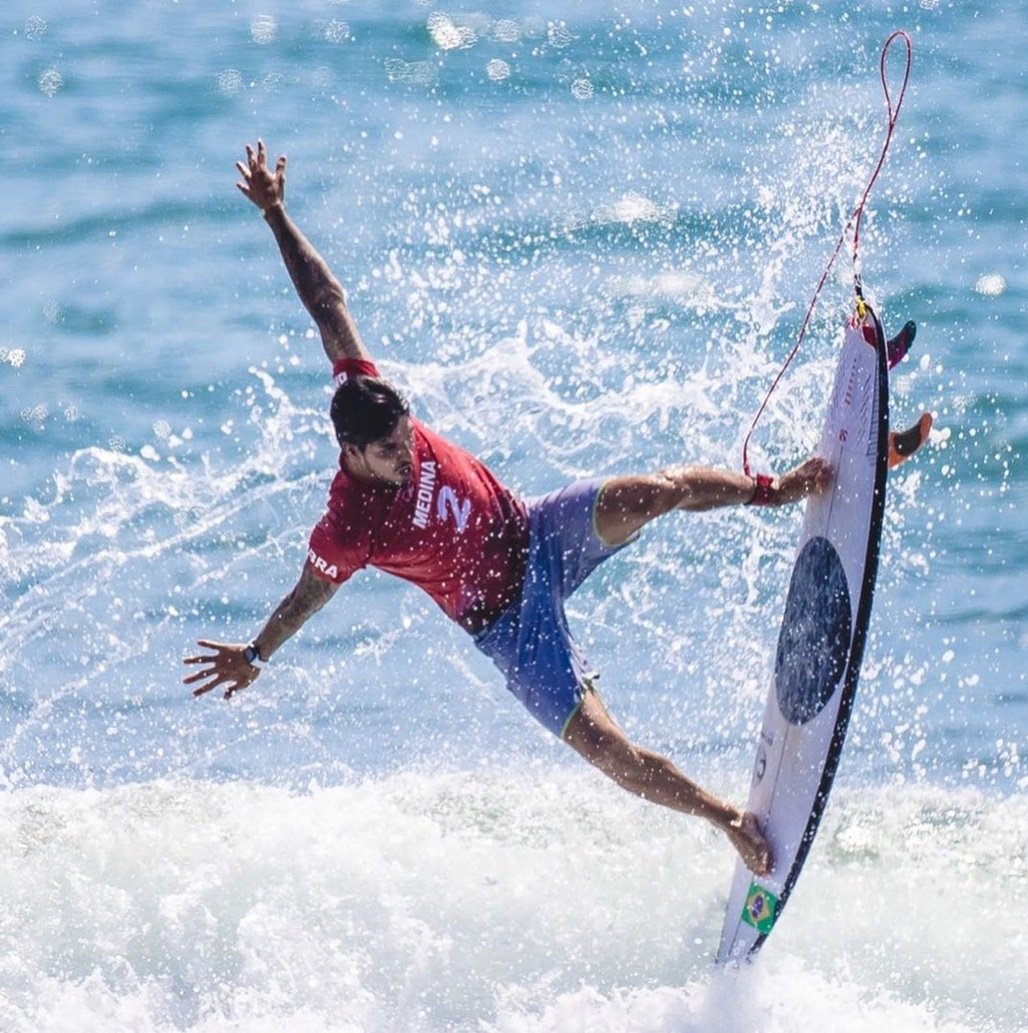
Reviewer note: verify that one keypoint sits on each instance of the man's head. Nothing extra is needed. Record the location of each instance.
(374, 430)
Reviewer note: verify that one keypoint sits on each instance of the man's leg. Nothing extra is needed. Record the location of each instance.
(593, 733)
(626, 504)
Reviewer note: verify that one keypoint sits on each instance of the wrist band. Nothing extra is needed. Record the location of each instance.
(252, 655)
(763, 491)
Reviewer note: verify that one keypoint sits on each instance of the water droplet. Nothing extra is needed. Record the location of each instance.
(991, 285)
(35, 27)
(230, 81)
(263, 29)
(50, 82)
(497, 70)
(581, 89)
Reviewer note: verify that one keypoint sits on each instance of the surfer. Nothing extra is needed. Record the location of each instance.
(410, 503)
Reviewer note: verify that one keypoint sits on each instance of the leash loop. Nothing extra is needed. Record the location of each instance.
(892, 117)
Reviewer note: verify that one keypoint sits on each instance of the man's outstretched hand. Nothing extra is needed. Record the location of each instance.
(263, 186)
(226, 666)
(811, 477)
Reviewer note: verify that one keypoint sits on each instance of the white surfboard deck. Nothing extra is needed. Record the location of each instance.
(821, 643)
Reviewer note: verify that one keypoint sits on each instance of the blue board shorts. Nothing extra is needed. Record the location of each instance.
(530, 641)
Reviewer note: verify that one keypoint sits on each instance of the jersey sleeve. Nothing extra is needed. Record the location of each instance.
(343, 369)
(330, 558)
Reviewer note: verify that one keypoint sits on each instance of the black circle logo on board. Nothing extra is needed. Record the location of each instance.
(813, 647)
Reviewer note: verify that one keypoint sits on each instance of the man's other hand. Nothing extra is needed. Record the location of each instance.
(264, 187)
(227, 666)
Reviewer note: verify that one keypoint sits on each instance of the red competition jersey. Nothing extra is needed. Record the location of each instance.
(454, 530)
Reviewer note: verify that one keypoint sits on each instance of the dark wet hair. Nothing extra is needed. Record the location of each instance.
(366, 409)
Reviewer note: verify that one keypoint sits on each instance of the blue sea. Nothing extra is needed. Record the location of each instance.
(583, 238)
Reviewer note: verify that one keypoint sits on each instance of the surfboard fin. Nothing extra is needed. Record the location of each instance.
(898, 347)
(904, 443)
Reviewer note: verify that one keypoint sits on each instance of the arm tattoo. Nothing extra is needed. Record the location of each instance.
(319, 290)
(309, 272)
(309, 596)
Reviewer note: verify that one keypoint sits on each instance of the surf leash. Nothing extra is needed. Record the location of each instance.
(892, 117)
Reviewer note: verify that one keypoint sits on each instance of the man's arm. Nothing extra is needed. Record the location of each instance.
(627, 504)
(229, 667)
(319, 290)
(706, 488)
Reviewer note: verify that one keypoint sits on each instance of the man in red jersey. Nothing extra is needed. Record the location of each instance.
(411, 503)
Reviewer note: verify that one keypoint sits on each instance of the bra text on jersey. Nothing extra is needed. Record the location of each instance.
(330, 570)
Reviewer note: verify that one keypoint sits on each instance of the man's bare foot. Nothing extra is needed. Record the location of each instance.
(749, 841)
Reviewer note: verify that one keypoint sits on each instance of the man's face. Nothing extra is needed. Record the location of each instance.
(389, 459)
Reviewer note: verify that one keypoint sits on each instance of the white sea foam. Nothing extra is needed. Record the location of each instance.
(541, 900)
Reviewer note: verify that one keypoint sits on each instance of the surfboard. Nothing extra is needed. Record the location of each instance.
(821, 642)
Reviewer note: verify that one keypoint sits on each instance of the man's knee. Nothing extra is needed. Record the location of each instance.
(588, 728)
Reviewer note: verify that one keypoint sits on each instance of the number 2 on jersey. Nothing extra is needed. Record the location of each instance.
(448, 503)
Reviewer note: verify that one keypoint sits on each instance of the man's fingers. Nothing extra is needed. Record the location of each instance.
(198, 659)
(214, 683)
(210, 679)
(197, 693)
(234, 685)
(817, 474)
(202, 658)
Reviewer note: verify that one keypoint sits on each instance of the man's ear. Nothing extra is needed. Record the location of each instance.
(352, 453)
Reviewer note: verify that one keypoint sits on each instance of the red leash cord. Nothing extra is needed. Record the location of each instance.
(854, 221)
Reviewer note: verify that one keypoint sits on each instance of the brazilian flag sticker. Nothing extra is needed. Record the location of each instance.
(760, 909)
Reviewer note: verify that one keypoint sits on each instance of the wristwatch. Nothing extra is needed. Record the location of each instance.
(252, 655)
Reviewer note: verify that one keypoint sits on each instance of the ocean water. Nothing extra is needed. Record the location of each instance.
(584, 242)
